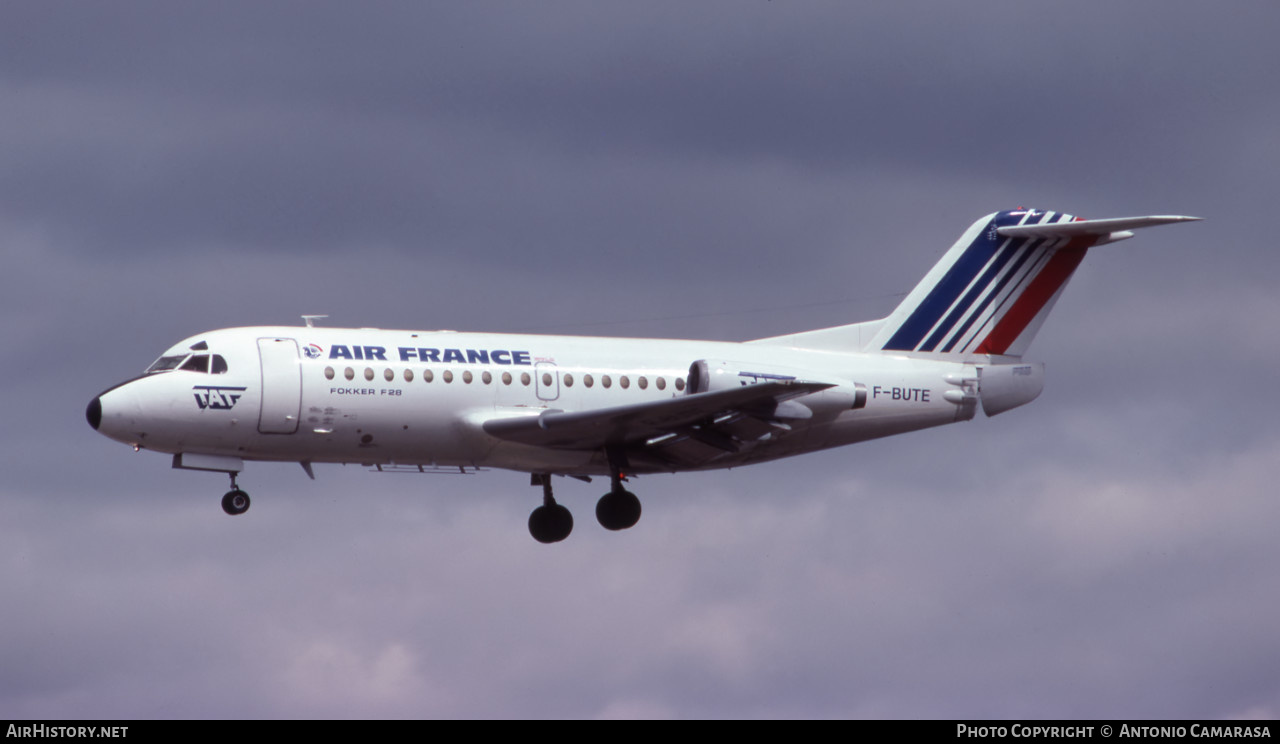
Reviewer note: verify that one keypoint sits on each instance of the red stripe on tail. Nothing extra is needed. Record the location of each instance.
(1028, 305)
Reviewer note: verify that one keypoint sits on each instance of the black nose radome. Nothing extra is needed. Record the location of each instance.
(94, 413)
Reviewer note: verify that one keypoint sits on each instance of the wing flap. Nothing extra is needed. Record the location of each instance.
(684, 450)
(626, 425)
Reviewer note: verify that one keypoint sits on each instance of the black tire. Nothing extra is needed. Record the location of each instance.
(550, 523)
(235, 502)
(618, 510)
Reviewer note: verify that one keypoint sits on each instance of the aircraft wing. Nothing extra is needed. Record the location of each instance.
(721, 420)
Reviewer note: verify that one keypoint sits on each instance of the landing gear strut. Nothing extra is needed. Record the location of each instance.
(550, 522)
(235, 501)
(619, 509)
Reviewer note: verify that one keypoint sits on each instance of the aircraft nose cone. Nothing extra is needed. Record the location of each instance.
(94, 413)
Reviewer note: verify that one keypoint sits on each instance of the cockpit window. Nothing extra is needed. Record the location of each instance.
(202, 363)
(197, 363)
(166, 363)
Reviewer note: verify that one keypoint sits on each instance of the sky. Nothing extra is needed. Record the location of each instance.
(710, 170)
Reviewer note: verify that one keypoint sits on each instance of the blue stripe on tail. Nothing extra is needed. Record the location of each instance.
(1001, 258)
(1027, 252)
(910, 336)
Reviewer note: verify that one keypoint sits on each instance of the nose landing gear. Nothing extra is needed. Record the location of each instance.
(235, 501)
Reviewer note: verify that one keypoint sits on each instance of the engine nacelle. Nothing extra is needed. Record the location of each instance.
(711, 375)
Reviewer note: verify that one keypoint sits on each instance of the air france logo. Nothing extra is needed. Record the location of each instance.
(217, 398)
(312, 351)
(438, 356)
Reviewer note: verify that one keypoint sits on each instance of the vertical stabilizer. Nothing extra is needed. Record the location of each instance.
(990, 293)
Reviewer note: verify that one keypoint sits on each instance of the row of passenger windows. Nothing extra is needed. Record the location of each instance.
(588, 380)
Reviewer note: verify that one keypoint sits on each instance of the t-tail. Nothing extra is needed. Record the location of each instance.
(991, 292)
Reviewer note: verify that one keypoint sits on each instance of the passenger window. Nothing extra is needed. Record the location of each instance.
(328, 373)
(447, 376)
(587, 380)
(605, 380)
(506, 378)
(525, 378)
(349, 373)
(427, 375)
(368, 373)
(408, 375)
(486, 378)
(679, 383)
(466, 377)
(546, 379)
(625, 382)
(568, 380)
(643, 382)
(662, 383)
(388, 375)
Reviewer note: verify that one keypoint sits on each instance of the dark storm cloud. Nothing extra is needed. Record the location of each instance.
(322, 127)
(726, 171)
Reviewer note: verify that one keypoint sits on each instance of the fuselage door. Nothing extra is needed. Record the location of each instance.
(281, 386)
(547, 381)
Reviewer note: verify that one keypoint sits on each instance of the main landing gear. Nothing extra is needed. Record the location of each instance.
(550, 522)
(235, 501)
(617, 510)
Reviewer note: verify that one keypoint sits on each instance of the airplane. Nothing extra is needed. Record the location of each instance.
(551, 405)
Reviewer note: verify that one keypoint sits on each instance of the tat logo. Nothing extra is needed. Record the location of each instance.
(216, 398)
(312, 351)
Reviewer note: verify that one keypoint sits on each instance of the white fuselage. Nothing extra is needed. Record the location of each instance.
(568, 405)
(384, 397)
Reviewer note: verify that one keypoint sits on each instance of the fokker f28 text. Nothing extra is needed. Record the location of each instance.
(616, 407)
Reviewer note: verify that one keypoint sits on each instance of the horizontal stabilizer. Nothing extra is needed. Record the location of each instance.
(1109, 230)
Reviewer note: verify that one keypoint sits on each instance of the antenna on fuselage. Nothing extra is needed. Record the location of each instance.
(310, 320)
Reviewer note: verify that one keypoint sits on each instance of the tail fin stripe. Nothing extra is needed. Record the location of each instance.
(1039, 250)
(989, 294)
(1015, 282)
(940, 299)
(981, 310)
(1024, 310)
(944, 294)
(976, 291)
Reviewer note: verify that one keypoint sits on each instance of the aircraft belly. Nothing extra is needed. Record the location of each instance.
(380, 440)
(531, 459)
